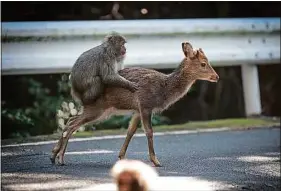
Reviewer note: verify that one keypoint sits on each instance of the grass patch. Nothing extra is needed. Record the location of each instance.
(238, 123)
(231, 123)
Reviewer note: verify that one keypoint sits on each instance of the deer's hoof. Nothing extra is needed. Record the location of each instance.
(53, 160)
(121, 157)
(155, 161)
(60, 159)
(157, 165)
(61, 164)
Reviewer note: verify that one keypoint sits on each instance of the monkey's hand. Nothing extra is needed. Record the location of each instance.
(117, 80)
(133, 87)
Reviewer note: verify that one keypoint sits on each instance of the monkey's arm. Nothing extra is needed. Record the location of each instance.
(119, 81)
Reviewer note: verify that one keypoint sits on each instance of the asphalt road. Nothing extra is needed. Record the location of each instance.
(246, 160)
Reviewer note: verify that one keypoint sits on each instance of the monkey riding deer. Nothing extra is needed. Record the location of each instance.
(157, 91)
(96, 68)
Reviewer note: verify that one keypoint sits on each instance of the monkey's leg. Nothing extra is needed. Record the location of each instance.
(146, 122)
(131, 131)
(93, 92)
(86, 117)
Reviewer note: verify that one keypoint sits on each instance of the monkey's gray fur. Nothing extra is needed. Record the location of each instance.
(96, 68)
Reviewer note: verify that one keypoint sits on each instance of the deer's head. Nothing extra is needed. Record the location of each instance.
(197, 65)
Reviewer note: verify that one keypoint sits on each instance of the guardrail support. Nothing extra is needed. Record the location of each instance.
(251, 89)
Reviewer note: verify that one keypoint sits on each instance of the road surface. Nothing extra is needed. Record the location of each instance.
(243, 160)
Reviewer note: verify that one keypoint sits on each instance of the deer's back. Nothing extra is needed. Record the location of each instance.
(138, 74)
(150, 94)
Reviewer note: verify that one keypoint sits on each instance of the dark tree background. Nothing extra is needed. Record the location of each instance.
(96, 10)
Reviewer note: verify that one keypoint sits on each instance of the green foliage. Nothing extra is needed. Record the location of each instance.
(64, 86)
(20, 121)
(39, 118)
(19, 115)
(44, 107)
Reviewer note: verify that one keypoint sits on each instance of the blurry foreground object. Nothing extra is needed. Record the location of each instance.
(133, 175)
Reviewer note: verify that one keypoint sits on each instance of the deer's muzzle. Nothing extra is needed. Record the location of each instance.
(214, 78)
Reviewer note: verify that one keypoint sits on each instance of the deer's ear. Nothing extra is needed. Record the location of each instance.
(200, 49)
(187, 49)
(196, 53)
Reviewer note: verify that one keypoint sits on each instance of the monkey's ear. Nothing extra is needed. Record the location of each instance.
(108, 38)
(187, 49)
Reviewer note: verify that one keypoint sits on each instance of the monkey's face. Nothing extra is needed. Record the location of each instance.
(118, 42)
(123, 50)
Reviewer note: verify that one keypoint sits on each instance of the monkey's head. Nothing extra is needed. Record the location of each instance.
(117, 42)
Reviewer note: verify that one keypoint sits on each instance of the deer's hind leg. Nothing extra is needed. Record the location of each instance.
(131, 131)
(89, 115)
(57, 147)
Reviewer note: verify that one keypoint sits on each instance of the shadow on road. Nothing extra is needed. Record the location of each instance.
(250, 172)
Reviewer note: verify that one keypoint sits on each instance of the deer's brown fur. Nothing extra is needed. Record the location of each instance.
(157, 91)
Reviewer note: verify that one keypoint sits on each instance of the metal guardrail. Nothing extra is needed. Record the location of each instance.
(152, 43)
(140, 27)
(53, 47)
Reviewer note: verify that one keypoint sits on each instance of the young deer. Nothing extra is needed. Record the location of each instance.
(157, 91)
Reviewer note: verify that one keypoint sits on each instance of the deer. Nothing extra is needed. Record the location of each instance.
(157, 92)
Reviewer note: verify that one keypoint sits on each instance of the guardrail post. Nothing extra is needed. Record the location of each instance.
(251, 89)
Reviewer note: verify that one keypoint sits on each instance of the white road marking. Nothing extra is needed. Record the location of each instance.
(120, 137)
(89, 152)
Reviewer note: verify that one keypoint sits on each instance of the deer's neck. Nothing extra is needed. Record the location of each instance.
(178, 83)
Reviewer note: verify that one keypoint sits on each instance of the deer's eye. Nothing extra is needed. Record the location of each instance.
(203, 64)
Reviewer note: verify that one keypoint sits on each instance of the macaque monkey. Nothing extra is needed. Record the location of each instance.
(97, 68)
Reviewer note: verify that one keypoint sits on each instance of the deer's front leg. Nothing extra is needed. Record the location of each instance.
(146, 122)
(131, 131)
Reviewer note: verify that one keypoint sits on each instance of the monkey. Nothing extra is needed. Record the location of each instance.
(96, 68)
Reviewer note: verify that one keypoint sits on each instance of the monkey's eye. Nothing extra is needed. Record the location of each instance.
(203, 64)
